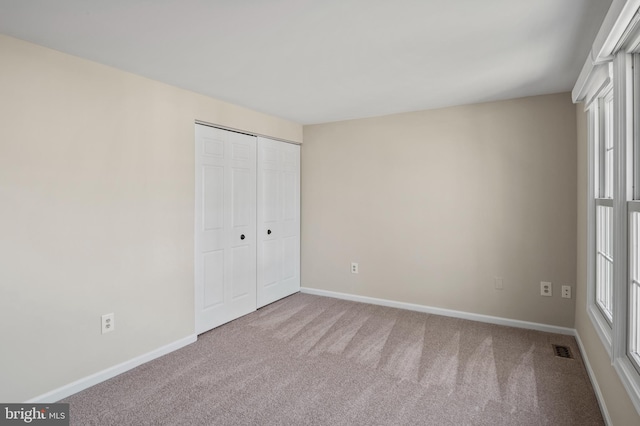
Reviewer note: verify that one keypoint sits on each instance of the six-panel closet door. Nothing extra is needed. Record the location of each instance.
(225, 226)
(278, 220)
(247, 224)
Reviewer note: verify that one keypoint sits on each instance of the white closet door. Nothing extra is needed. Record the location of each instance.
(278, 220)
(225, 237)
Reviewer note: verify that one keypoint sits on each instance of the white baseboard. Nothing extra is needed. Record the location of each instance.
(441, 311)
(101, 376)
(594, 382)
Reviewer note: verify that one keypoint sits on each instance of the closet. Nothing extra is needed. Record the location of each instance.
(247, 224)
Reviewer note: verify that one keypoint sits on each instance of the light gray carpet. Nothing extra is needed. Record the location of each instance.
(310, 360)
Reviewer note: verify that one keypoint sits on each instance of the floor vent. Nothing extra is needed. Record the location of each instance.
(562, 351)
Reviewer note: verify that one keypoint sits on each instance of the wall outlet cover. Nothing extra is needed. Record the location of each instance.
(108, 323)
(546, 289)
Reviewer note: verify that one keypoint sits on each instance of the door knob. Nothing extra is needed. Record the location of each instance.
(242, 237)
(268, 231)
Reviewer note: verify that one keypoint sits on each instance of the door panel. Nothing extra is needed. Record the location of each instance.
(270, 262)
(290, 208)
(225, 222)
(269, 184)
(289, 247)
(213, 194)
(213, 278)
(242, 189)
(278, 220)
(243, 282)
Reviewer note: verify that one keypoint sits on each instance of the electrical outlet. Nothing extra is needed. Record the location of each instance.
(498, 283)
(108, 323)
(546, 289)
(566, 291)
(354, 268)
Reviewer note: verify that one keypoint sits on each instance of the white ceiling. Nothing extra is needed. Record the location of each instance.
(315, 61)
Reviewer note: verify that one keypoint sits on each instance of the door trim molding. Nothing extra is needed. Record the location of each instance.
(244, 132)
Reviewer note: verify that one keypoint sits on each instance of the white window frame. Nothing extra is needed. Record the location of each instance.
(603, 182)
(595, 117)
(624, 76)
(614, 60)
(634, 280)
(632, 206)
(625, 83)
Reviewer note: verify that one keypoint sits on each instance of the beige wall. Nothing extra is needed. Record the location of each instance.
(434, 204)
(96, 213)
(619, 406)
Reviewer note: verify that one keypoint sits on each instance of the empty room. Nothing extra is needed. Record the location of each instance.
(298, 212)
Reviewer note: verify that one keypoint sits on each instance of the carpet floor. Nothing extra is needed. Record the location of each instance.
(311, 360)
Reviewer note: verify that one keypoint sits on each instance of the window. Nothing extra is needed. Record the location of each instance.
(610, 87)
(604, 152)
(604, 258)
(634, 278)
(613, 301)
(633, 219)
